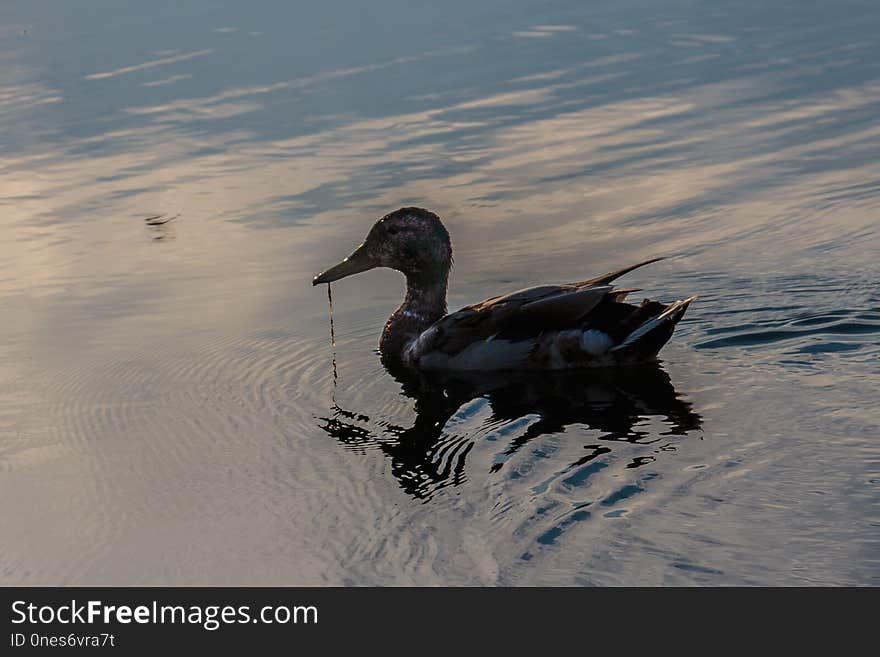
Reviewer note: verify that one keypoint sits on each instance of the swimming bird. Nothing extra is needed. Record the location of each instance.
(549, 327)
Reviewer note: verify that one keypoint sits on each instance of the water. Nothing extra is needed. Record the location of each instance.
(168, 411)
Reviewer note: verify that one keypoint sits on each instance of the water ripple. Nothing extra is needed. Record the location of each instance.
(834, 323)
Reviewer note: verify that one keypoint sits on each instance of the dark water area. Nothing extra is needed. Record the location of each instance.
(172, 175)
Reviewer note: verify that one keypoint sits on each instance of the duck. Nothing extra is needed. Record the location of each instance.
(567, 326)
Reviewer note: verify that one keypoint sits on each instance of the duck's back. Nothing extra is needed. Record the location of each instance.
(550, 327)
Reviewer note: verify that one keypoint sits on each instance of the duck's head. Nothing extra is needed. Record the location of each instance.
(410, 240)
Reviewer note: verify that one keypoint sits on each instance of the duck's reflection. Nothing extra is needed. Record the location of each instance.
(428, 455)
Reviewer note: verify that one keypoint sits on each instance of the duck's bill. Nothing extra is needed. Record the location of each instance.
(354, 264)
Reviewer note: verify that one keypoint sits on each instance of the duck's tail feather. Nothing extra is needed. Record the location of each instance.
(645, 341)
(605, 279)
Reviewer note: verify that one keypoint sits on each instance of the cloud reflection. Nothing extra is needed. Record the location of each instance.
(164, 61)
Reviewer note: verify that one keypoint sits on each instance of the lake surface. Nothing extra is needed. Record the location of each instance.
(168, 413)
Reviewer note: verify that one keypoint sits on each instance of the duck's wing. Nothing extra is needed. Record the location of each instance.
(517, 316)
(537, 309)
(524, 315)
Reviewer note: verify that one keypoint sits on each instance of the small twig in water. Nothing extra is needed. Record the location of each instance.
(160, 219)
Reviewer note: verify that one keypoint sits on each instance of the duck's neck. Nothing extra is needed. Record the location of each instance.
(424, 304)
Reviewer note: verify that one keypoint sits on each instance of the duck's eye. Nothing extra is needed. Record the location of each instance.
(393, 230)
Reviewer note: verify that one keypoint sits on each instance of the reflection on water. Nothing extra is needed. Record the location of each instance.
(425, 457)
(169, 405)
